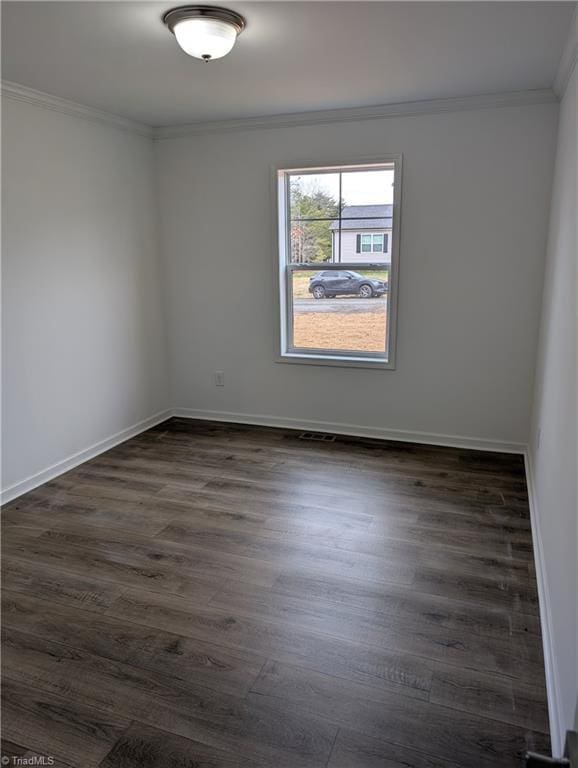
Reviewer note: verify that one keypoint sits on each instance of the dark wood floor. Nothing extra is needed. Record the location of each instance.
(209, 596)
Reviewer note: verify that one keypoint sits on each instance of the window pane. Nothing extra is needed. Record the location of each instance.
(314, 242)
(363, 188)
(314, 195)
(340, 311)
(367, 204)
(314, 206)
(377, 243)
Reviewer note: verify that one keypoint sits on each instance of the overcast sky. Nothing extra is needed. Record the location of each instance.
(358, 187)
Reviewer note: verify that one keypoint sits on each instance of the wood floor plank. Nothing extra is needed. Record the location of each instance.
(247, 524)
(427, 556)
(396, 553)
(490, 520)
(223, 463)
(286, 551)
(9, 749)
(511, 512)
(484, 742)
(331, 490)
(83, 510)
(318, 478)
(388, 530)
(528, 623)
(356, 750)
(477, 589)
(498, 539)
(53, 584)
(284, 517)
(382, 669)
(394, 468)
(83, 483)
(60, 727)
(312, 508)
(13, 751)
(500, 556)
(208, 567)
(498, 697)
(398, 604)
(78, 629)
(170, 654)
(113, 473)
(17, 528)
(144, 747)
(256, 729)
(105, 566)
(243, 597)
(464, 649)
(315, 494)
(323, 474)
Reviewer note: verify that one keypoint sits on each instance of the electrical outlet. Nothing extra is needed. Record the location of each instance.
(219, 378)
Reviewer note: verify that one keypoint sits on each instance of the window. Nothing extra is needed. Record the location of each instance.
(338, 248)
(373, 243)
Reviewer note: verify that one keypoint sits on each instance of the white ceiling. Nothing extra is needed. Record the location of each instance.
(293, 56)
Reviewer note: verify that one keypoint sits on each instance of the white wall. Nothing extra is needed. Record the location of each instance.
(83, 339)
(553, 440)
(468, 314)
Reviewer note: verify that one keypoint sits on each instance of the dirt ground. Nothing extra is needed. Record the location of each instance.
(320, 330)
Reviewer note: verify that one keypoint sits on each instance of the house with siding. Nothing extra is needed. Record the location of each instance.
(364, 234)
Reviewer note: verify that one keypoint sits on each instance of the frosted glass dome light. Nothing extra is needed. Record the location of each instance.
(203, 31)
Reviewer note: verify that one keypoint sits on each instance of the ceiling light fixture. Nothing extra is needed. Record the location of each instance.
(204, 31)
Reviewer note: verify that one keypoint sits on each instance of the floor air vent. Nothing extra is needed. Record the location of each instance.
(320, 436)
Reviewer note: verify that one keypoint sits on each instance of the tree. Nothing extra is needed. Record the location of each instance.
(311, 239)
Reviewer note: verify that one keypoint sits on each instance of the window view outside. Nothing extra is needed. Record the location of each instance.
(339, 260)
(340, 321)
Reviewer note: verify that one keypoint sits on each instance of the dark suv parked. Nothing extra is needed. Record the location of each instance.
(332, 283)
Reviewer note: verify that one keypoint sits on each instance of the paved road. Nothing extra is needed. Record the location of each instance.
(345, 305)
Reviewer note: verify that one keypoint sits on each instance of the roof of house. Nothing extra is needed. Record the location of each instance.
(360, 217)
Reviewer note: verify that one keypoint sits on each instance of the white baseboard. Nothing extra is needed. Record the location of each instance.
(60, 467)
(557, 730)
(378, 433)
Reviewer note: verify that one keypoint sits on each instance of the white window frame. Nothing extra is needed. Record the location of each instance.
(358, 359)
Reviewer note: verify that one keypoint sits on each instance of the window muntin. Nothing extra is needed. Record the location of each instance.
(321, 232)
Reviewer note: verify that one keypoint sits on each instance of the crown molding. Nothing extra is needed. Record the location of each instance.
(567, 61)
(402, 109)
(23, 93)
(27, 95)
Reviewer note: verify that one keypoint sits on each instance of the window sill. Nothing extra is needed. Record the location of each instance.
(337, 361)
